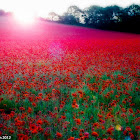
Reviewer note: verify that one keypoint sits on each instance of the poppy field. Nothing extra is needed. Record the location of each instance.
(60, 82)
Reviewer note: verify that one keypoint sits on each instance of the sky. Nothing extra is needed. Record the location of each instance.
(43, 7)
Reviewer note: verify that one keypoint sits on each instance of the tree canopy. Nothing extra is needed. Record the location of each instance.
(108, 18)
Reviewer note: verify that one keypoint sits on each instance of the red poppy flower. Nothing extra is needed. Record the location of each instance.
(71, 138)
(95, 134)
(59, 135)
(78, 121)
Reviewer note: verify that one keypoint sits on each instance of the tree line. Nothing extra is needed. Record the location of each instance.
(108, 18)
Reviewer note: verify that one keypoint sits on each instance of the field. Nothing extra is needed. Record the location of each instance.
(60, 82)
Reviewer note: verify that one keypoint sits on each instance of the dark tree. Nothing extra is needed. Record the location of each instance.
(130, 19)
(77, 13)
(93, 15)
(68, 19)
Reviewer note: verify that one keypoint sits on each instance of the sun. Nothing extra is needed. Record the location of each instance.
(24, 17)
(24, 11)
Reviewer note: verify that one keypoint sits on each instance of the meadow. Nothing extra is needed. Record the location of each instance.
(60, 82)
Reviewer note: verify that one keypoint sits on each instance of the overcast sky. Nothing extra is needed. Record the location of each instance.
(43, 7)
